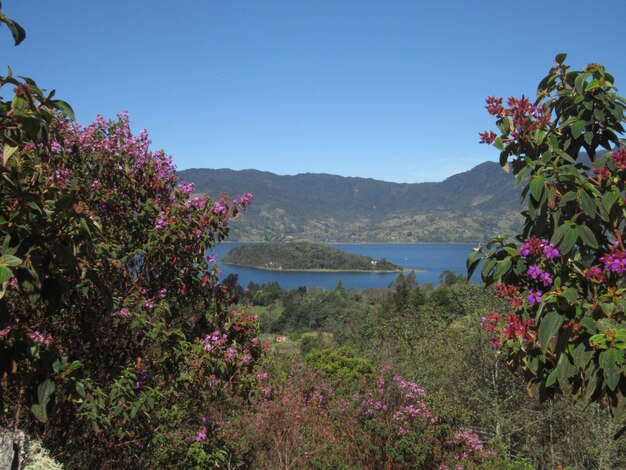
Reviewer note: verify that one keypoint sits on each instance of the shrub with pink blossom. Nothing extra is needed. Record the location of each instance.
(106, 297)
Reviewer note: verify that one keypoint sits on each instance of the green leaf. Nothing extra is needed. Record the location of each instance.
(587, 236)
(135, 408)
(536, 187)
(577, 128)
(580, 82)
(564, 369)
(504, 125)
(551, 380)
(592, 385)
(45, 389)
(612, 378)
(64, 107)
(570, 294)
(488, 266)
(609, 199)
(7, 153)
(558, 234)
(560, 58)
(570, 237)
(5, 274)
(501, 268)
(587, 203)
(549, 327)
(10, 260)
(17, 31)
(39, 412)
(581, 355)
(592, 85)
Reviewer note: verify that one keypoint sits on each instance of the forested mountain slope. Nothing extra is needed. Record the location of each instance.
(467, 207)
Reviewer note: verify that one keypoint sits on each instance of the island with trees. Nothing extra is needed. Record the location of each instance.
(304, 256)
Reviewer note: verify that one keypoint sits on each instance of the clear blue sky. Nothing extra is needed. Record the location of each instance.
(392, 90)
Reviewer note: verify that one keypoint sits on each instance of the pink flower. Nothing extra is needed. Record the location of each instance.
(185, 187)
(201, 436)
(160, 222)
(550, 251)
(5, 331)
(38, 337)
(594, 274)
(230, 354)
(534, 297)
(487, 137)
(619, 158)
(494, 106)
(546, 279)
(219, 209)
(534, 271)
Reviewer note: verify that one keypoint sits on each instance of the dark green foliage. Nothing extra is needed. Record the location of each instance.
(567, 153)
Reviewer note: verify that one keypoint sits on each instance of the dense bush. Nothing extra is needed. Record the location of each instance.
(112, 318)
(565, 324)
(301, 420)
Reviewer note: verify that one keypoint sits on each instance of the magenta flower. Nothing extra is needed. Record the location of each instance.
(550, 251)
(5, 331)
(163, 293)
(185, 187)
(219, 209)
(534, 271)
(150, 303)
(534, 297)
(201, 436)
(160, 223)
(594, 274)
(546, 279)
(230, 354)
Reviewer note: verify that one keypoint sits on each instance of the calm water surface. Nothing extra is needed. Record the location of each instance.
(433, 258)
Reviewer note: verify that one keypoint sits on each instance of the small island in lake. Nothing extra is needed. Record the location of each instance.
(304, 256)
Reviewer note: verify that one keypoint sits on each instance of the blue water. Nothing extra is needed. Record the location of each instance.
(433, 258)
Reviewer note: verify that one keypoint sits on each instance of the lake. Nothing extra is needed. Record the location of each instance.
(430, 258)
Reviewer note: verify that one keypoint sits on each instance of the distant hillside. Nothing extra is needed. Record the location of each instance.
(467, 207)
(303, 256)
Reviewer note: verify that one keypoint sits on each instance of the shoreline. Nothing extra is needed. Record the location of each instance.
(230, 242)
(360, 271)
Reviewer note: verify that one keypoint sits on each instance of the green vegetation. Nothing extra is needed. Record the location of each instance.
(468, 207)
(303, 256)
(433, 336)
(566, 321)
(120, 346)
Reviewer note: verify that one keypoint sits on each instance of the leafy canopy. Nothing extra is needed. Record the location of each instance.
(563, 277)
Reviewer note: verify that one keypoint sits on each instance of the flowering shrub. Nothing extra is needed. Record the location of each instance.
(302, 420)
(107, 298)
(563, 276)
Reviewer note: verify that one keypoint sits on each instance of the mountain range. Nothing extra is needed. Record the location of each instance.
(472, 206)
